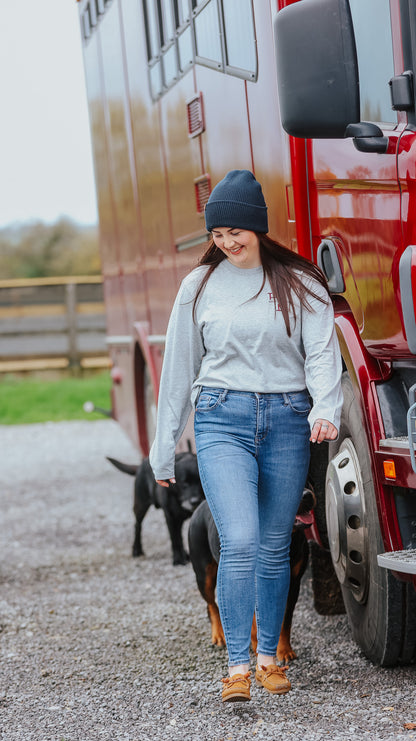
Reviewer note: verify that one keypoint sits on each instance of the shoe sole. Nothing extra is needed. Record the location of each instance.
(236, 698)
(281, 691)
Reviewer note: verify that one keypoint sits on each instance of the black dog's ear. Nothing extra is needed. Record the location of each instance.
(308, 501)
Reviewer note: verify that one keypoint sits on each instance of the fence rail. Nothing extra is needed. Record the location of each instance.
(52, 323)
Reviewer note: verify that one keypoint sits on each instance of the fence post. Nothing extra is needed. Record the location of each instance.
(71, 310)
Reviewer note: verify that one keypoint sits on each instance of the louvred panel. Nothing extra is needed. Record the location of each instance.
(202, 192)
(195, 112)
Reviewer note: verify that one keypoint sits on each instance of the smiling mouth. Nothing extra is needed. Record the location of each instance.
(236, 250)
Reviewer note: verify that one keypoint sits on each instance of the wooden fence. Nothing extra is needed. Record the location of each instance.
(52, 323)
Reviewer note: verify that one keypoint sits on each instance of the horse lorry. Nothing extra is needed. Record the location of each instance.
(317, 98)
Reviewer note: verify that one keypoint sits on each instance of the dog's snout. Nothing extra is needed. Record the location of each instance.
(308, 500)
(191, 503)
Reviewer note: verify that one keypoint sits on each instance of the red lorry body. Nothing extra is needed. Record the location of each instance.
(163, 135)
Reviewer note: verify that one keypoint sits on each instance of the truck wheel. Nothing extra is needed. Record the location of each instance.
(381, 610)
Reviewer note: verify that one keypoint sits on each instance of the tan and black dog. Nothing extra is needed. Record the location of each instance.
(178, 502)
(204, 551)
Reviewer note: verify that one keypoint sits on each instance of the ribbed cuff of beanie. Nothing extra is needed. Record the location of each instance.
(236, 214)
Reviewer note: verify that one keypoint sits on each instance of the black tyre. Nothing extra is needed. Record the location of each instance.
(327, 595)
(381, 610)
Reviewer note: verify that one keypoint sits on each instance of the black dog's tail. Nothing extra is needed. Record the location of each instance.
(125, 467)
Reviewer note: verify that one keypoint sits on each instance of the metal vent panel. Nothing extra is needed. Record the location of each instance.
(202, 192)
(195, 113)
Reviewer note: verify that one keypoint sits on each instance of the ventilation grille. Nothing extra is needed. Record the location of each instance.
(195, 112)
(202, 192)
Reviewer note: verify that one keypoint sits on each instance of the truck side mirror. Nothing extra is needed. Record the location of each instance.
(317, 69)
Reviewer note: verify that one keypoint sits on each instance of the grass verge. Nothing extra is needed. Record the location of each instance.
(28, 400)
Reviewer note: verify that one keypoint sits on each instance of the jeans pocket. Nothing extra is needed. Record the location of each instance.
(299, 402)
(209, 399)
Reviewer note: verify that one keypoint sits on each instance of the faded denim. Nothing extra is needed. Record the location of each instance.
(253, 457)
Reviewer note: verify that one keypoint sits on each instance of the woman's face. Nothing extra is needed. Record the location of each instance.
(241, 247)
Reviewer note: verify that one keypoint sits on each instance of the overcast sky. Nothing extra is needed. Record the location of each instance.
(45, 152)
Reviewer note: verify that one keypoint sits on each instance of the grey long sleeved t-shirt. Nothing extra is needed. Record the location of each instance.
(240, 343)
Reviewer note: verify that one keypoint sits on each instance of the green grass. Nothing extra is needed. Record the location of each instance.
(28, 400)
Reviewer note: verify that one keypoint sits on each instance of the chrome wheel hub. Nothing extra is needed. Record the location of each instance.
(346, 521)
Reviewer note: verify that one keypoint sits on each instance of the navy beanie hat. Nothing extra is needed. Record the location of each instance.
(237, 201)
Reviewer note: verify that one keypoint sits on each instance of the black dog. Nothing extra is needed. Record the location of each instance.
(178, 501)
(204, 550)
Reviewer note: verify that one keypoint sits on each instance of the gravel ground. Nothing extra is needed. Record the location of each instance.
(96, 645)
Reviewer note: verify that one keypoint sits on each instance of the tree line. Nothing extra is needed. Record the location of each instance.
(39, 250)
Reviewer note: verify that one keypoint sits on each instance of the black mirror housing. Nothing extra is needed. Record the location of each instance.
(317, 68)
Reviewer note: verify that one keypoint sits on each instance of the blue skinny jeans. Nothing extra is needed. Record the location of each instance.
(253, 457)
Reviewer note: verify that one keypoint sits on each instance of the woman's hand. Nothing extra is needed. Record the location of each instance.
(323, 430)
(165, 483)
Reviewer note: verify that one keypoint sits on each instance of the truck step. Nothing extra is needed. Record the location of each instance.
(401, 561)
(394, 442)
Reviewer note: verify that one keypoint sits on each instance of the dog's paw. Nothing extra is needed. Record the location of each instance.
(136, 552)
(285, 653)
(180, 559)
(217, 638)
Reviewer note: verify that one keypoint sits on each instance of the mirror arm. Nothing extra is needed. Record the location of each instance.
(367, 137)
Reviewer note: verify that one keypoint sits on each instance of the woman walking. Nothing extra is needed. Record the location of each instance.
(250, 340)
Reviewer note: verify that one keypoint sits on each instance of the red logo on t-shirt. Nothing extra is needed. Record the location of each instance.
(271, 298)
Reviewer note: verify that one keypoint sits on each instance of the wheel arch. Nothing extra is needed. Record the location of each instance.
(364, 372)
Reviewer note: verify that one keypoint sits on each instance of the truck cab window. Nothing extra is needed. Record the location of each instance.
(372, 28)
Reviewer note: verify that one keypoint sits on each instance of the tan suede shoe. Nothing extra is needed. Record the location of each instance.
(236, 688)
(273, 679)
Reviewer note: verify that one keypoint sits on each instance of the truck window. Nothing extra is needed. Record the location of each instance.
(170, 59)
(183, 32)
(207, 34)
(153, 41)
(373, 39)
(152, 29)
(213, 33)
(168, 22)
(239, 35)
(185, 50)
(180, 33)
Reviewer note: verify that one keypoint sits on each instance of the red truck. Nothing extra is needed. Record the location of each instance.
(317, 98)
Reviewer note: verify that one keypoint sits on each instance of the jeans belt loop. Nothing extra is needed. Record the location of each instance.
(285, 398)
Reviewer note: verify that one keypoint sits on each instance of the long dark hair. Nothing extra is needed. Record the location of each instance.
(280, 266)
